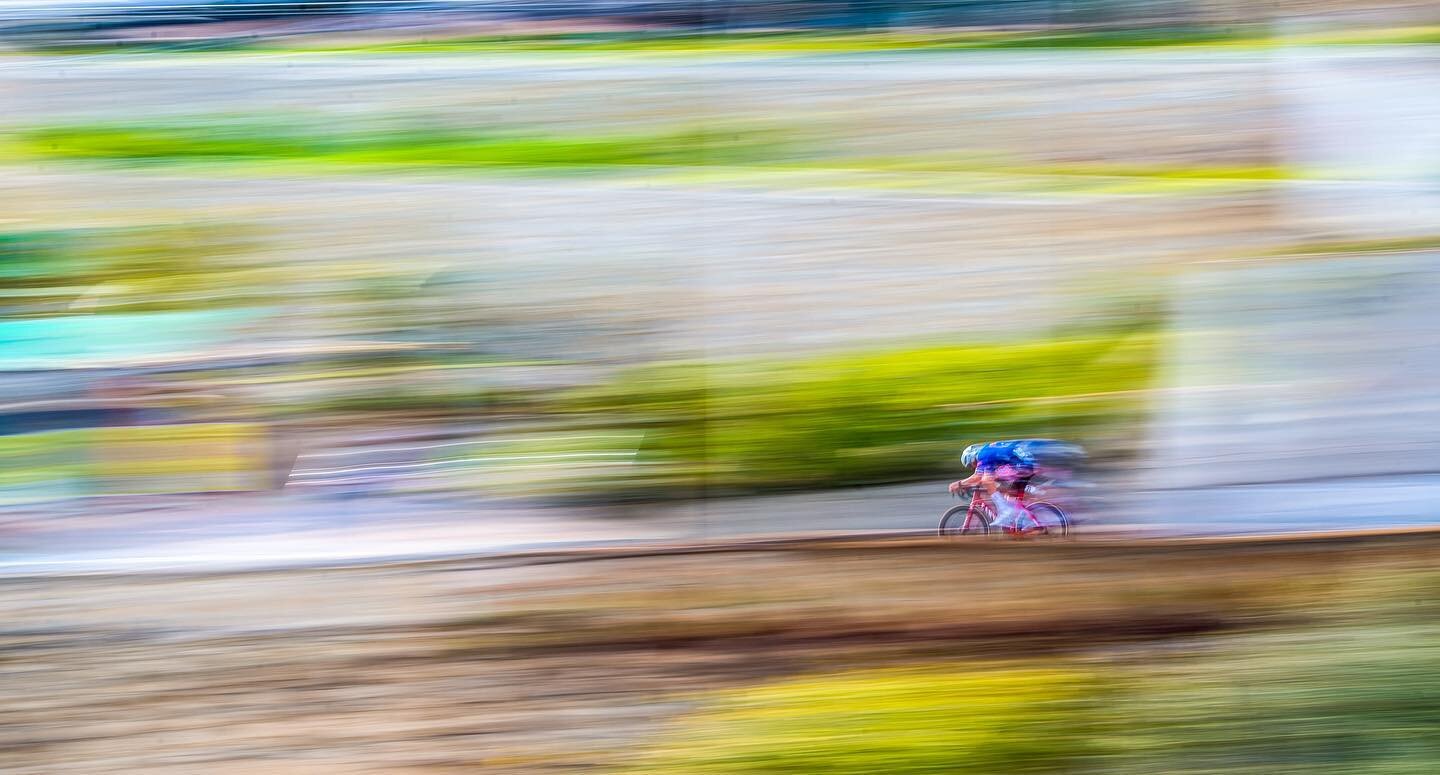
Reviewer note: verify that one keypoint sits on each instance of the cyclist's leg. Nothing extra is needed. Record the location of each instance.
(1011, 514)
(1028, 523)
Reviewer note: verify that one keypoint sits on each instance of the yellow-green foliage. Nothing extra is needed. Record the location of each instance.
(1362, 699)
(231, 140)
(37, 459)
(877, 416)
(932, 720)
(1357, 691)
(1357, 698)
(137, 269)
(133, 459)
(1395, 245)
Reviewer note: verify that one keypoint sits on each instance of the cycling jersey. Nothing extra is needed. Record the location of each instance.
(1002, 454)
(1049, 453)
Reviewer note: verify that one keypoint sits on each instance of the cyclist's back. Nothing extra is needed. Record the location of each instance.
(999, 455)
(1053, 460)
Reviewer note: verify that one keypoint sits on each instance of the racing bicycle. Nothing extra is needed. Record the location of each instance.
(1043, 519)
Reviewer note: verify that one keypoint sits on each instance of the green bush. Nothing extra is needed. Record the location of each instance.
(871, 417)
(937, 720)
(1362, 699)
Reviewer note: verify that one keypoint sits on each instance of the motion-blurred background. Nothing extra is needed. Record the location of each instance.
(475, 264)
(294, 295)
(475, 257)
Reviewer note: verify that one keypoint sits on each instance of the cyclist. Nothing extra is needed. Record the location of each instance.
(1002, 470)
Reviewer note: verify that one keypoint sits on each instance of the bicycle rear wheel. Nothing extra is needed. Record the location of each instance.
(1052, 518)
(958, 521)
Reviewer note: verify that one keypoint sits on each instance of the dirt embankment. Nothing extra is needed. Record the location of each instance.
(566, 667)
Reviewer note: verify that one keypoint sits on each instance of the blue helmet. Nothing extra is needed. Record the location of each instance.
(967, 458)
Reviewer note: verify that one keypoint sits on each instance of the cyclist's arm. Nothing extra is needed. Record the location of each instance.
(972, 480)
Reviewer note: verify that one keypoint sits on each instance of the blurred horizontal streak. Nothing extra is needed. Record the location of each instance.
(369, 371)
(963, 66)
(232, 355)
(990, 200)
(1137, 393)
(524, 468)
(1204, 652)
(61, 404)
(1051, 399)
(198, 457)
(473, 442)
(483, 459)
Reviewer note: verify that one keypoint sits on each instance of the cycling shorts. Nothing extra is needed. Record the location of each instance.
(1013, 479)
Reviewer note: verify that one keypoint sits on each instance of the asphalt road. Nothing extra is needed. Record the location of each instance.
(237, 532)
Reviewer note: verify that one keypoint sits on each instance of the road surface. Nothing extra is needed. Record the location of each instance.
(240, 531)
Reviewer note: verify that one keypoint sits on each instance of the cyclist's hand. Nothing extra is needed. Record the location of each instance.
(956, 487)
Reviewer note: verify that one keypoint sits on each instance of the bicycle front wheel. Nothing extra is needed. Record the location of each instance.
(958, 521)
(1051, 518)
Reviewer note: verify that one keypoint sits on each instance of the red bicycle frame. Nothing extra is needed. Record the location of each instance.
(981, 508)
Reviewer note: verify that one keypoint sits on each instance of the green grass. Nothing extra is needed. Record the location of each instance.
(228, 140)
(684, 156)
